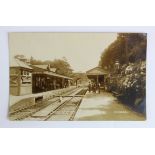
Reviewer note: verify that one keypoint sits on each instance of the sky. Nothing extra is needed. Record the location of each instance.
(82, 50)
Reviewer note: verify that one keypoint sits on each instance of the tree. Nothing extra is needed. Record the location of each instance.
(127, 47)
(62, 65)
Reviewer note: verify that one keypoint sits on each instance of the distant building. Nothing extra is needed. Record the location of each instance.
(97, 75)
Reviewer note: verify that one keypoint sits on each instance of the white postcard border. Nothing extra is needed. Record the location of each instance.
(4, 80)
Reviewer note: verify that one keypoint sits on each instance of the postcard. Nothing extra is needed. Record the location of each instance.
(77, 76)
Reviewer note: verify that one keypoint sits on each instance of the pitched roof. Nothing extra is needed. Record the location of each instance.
(45, 67)
(57, 75)
(41, 66)
(50, 72)
(96, 71)
(17, 63)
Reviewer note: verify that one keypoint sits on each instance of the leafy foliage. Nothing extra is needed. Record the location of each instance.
(62, 65)
(128, 47)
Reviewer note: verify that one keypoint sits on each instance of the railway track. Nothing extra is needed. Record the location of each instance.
(68, 109)
(52, 104)
(28, 111)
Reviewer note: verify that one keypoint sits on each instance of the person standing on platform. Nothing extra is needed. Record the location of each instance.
(99, 85)
(94, 87)
(89, 87)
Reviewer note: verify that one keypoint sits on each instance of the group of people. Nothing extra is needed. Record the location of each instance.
(129, 81)
(94, 87)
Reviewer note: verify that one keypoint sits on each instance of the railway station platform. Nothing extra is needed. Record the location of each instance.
(104, 106)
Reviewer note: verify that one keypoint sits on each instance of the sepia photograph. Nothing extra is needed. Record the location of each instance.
(77, 76)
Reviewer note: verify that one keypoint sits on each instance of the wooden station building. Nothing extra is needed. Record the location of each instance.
(28, 79)
(97, 75)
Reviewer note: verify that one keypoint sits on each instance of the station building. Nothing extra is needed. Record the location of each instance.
(28, 79)
(97, 75)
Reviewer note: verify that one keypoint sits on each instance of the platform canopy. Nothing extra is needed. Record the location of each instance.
(57, 75)
(42, 69)
(96, 71)
(46, 67)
